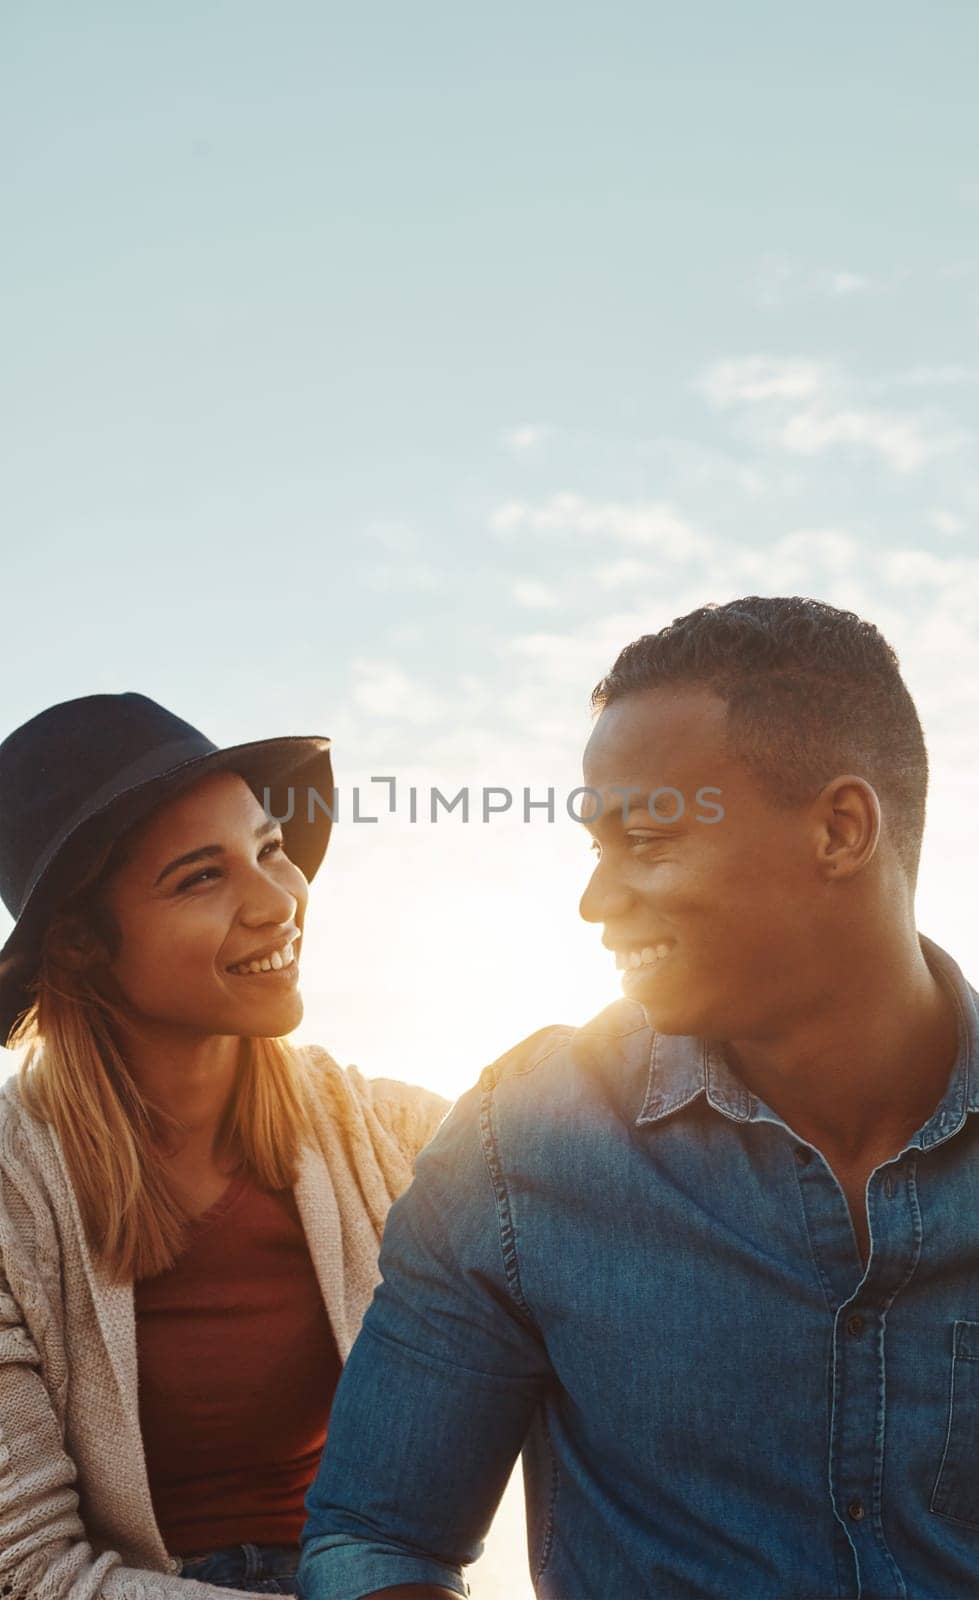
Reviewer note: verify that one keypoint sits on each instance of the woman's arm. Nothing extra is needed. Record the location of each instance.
(43, 1547)
(412, 1115)
(404, 1112)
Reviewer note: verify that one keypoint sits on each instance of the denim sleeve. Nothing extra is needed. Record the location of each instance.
(440, 1388)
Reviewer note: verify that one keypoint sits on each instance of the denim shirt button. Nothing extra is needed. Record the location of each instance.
(855, 1510)
(802, 1155)
(855, 1324)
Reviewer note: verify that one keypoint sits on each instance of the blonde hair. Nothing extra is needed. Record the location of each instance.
(114, 1140)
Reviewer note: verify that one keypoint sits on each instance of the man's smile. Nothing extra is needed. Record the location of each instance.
(634, 956)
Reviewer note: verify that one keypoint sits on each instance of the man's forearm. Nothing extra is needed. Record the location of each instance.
(437, 1395)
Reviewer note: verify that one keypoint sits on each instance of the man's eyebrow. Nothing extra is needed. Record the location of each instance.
(612, 814)
(207, 850)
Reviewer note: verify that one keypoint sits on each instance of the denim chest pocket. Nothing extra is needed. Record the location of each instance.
(956, 1491)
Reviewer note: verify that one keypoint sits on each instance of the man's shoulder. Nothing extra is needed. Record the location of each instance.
(618, 1032)
(560, 1085)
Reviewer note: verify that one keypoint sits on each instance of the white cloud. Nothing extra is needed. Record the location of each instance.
(790, 565)
(520, 441)
(566, 665)
(774, 281)
(686, 464)
(947, 376)
(781, 281)
(947, 521)
(401, 567)
(769, 388)
(553, 650)
(905, 443)
(848, 282)
(382, 689)
(924, 604)
(646, 522)
(415, 577)
(956, 271)
(398, 538)
(958, 576)
(535, 596)
(756, 378)
(616, 573)
(797, 563)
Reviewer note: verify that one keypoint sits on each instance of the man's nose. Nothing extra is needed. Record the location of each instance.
(604, 899)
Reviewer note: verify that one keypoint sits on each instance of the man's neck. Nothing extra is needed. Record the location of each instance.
(859, 1077)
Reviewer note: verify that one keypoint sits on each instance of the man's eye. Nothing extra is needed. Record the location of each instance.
(643, 838)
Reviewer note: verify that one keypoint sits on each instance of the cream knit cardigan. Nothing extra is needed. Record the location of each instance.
(76, 1519)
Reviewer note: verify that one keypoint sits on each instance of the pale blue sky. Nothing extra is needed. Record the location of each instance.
(381, 370)
(274, 274)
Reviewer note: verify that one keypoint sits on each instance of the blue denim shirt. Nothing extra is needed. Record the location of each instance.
(617, 1258)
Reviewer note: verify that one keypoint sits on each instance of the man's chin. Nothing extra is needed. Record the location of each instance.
(666, 1019)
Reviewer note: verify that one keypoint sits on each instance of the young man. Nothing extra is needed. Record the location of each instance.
(711, 1261)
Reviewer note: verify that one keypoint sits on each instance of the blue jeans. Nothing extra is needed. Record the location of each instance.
(259, 1568)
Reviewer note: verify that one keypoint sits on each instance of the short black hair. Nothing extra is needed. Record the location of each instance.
(811, 692)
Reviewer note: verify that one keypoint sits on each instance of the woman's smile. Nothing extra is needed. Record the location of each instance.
(271, 960)
(280, 977)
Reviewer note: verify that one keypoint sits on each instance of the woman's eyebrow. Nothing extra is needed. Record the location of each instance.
(209, 850)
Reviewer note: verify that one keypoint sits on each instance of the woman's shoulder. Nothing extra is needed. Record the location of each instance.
(9, 1098)
(407, 1111)
(27, 1206)
(19, 1130)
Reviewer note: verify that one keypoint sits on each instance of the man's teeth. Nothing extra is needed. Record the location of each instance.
(273, 963)
(644, 957)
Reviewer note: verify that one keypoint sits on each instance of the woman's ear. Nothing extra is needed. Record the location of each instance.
(73, 943)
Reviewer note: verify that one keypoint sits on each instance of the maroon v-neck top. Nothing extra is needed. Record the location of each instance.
(237, 1371)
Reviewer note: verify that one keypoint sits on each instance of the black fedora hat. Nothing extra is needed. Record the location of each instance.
(76, 776)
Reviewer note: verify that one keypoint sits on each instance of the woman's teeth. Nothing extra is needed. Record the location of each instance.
(273, 963)
(632, 959)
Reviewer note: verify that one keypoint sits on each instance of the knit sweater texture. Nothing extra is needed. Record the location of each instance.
(76, 1518)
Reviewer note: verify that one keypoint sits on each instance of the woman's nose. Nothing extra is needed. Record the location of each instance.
(270, 900)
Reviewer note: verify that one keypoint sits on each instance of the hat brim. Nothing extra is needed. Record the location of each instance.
(291, 777)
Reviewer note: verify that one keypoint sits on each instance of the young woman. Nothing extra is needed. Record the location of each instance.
(190, 1207)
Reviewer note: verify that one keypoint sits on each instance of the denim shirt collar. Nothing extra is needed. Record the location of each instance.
(682, 1066)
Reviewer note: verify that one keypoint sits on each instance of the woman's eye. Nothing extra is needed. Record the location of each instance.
(209, 872)
(595, 848)
(197, 877)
